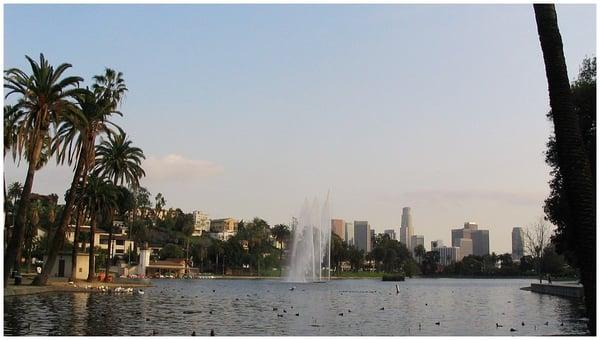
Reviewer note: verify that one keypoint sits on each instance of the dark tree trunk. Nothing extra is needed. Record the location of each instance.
(92, 263)
(59, 236)
(75, 251)
(573, 161)
(13, 250)
(108, 259)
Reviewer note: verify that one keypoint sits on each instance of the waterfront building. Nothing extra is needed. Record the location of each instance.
(448, 255)
(349, 236)
(362, 236)
(63, 263)
(338, 227)
(120, 241)
(201, 223)
(518, 243)
(415, 241)
(391, 233)
(406, 227)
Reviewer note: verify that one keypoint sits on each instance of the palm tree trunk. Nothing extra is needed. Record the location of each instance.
(13, 250)
(59, 236)
(75, 246)
(92, 263)
(573, 161)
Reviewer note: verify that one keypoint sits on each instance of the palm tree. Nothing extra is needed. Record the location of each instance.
(31, 231)
(44, 98)
(75, 141)
(118, 160)
(100, 198)
(574, 166)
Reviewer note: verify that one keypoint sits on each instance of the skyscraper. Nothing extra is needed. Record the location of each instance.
(466, 247)
(338, 227)
(480, 244)
(349, 234)
(406, 227)
(518, 243)
(362, 235)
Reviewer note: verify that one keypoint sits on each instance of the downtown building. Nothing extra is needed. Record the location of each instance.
(415, 241)
(349, 234)
(406, 228)
(391, 233)
(518, 244)
(362, 236)
(471, 240)
(338, 227)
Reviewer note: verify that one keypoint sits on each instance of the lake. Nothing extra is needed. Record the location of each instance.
(338, 307)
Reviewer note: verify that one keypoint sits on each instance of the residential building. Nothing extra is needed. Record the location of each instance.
(223, 229)
(416, 240)
(338, 227)
(362, 236)
(391, 233)
(406, 227)
(201, 223)
(518, 243)
(349, 236)
(121, 243)
(448, 255)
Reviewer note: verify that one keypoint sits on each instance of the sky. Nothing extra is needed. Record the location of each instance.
(246, 110)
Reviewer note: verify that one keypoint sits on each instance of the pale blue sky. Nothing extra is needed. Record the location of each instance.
(245, 110)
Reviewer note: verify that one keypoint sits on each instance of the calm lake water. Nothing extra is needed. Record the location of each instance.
(245, 307)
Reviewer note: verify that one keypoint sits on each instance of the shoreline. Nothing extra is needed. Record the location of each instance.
(55, 286)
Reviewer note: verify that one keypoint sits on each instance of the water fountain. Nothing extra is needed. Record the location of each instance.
(311, 243)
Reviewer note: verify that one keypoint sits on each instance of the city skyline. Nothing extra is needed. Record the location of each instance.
(246, 111)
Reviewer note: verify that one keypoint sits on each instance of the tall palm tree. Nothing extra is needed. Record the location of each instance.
(75, 141)
(100, 198)
(573, 162)
(118, 160)
(43, 97)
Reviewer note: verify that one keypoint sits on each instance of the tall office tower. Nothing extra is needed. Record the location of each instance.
(362, 236)
(481, 242)
(338, 227)
(391, 233)
(436, 244)
(466, 247)
(373, 238)
(349, 234)
(416, 240)
(406, 227)
(518, 243)
(480, 238)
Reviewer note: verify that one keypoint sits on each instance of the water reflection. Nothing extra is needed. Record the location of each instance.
(345, 307)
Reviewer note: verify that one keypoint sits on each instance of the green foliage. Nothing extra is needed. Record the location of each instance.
(171, 251)
(556, 206)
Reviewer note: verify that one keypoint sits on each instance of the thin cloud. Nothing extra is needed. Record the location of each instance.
(176, 168)
(460, 196)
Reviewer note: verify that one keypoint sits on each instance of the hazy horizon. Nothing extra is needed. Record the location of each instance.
(246, 110)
